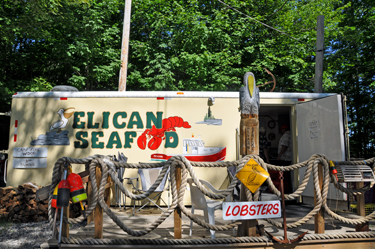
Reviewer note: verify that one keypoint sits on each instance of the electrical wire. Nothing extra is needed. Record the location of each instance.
(261, 22)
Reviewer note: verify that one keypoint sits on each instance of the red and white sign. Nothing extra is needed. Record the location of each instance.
(251, 210)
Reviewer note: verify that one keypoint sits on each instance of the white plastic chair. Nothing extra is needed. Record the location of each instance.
(199, 201)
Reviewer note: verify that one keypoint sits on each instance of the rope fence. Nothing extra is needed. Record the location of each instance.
(109, 168)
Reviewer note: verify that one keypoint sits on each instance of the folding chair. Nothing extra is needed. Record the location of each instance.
(120, 174)
(148, 177)
(236, 191)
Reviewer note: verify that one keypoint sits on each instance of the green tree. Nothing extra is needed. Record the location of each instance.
(205, 45)
(352, 61)
(46, 43)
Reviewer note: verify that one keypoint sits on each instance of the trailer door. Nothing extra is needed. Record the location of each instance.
(320, 130)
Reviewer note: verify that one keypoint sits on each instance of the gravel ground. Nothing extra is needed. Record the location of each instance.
(25, 235)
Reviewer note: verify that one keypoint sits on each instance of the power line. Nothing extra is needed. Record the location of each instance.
(261, 22)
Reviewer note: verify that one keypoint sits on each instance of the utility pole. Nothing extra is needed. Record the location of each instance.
(125, 46)
(319, 55)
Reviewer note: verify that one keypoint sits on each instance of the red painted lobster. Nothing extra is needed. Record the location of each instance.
(157, 135)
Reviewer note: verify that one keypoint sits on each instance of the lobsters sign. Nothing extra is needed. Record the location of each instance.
(251, 210)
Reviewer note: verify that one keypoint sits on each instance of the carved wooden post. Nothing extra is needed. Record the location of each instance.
(249, 137)
(319, 217)
(361, 210)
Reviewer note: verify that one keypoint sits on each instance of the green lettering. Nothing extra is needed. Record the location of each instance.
(114, 139)
(135, 119)
(77, 124)
(105, 124)
(95, 139)
(115, 120)
(168, 136)
(90, 125)
(129, 139)
(81, 143)
(156, 120)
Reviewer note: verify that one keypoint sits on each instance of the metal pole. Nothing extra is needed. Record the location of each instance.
(125, 46)
(281, 176)
(62, 208)
(319, 55)
(177, 212)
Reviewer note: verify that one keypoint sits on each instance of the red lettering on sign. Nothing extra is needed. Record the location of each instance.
(244, 210)
(227, 213)
(251, 210)
(264, 210)
(275, 208)
(269, 208)
(237, 210)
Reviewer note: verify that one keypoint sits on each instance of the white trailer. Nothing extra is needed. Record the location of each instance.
(146, 126)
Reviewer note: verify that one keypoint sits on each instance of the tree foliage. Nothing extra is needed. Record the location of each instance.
(205, 45)
(66, 42)
(352, 61)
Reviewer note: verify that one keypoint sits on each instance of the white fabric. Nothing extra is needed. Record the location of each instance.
(149, 176)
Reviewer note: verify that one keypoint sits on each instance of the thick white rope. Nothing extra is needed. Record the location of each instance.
(109, 168)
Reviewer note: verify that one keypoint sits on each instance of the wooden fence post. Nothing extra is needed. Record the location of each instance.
(98, 233)
(361, 210)
(319, 217)
(177, 211)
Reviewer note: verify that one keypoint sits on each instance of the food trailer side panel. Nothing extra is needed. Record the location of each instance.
(104, 125)
(91, 128)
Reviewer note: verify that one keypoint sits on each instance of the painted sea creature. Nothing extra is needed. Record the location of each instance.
(156, 136)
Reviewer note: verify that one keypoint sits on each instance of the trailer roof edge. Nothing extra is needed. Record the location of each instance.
(165, 94)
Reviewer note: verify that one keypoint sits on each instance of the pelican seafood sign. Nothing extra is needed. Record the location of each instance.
(144, 126)
(157, 130)
(87, 130)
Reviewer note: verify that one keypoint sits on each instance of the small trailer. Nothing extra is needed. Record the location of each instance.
(153, 126)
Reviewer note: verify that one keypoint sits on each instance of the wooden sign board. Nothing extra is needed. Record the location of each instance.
(251, 210)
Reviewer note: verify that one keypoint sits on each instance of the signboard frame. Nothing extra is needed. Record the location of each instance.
(251, 210)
